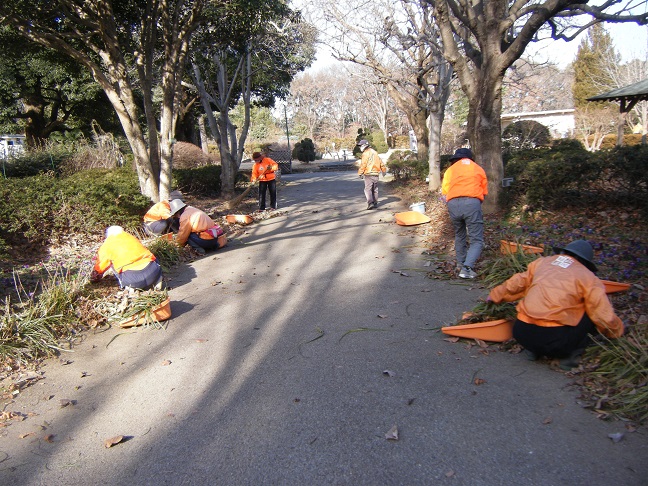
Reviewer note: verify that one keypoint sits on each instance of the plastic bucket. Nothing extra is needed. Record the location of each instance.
(419, 207)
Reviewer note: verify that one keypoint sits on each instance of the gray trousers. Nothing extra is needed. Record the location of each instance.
(371, 188)
(468, 221)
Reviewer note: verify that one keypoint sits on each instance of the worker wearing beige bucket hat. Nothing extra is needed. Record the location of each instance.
(196, 228)
(561, 303)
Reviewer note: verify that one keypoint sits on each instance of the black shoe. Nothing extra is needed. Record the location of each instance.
(571, 361)
(375, 205)
(530, 355)
(370, 206)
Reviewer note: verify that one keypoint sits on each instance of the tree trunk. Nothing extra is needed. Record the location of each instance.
(484, 132)
(435, 122)
(203, 134)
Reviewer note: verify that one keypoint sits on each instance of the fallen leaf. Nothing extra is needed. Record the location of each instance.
(631, 428)
(616, 437)
(547, 421)
(479, 381)
(202, 340)
(392, 434)
(481, 343)
(382, 316)
(84, 374)
(22, 436)
(166, 362)
(49, 438)
(452, 339)
(113, 441)
(450, 473)
(64, 402)
(388, 373)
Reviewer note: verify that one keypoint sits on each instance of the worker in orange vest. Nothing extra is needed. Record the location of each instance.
(464, 187)
(196, 228)
(371, 166)
(263, 170)
(561, 303)
(133, 264)
(158, 220)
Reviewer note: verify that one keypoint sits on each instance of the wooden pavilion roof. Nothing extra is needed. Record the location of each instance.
(634, 92)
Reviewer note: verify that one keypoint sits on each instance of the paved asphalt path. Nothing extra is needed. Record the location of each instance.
(265, 375)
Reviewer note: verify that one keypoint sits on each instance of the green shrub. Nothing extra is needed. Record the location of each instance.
(202, 181)
(568, 175)
(304, 150)
(40, 208)
(379, 142)
(36, 161)
(525, 134)
(403, 164)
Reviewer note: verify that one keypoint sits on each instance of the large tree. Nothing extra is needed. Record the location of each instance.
(483, 38)
(129, 46)
(249, 54)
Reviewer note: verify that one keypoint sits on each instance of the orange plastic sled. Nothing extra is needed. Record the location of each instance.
(161, 312)
(612, 287)
(512, 247)
(411, 218)
(239, 218)
(496, 331)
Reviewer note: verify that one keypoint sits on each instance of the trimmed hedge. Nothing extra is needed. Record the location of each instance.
(567, 174)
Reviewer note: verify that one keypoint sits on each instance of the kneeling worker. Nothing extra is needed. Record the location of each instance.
(561, 302)
(134, 265)
(158, 220)
(196, 228)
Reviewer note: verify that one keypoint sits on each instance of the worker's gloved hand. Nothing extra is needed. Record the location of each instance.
(489, 300)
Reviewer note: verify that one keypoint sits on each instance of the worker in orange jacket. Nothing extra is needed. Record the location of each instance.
(464, 187)
(133, 264)
(561, 302)
(371, 166)
(263, 170)
(196, 228)
(158, 220)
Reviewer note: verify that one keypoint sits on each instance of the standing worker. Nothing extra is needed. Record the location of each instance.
(464, 187)
(196, 228)
(371, 165)
(158, 220)
(263, 170)
(133, 264)
(561, 302)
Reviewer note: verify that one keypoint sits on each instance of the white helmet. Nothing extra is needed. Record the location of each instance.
(114, 230)
(176, 205)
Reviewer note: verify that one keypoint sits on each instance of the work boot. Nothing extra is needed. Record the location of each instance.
(370, 206)
(530, 355)
(572, 361)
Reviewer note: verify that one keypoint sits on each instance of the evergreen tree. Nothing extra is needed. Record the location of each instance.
(591, 77)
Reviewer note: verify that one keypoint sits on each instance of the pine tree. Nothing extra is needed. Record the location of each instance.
(591, 77)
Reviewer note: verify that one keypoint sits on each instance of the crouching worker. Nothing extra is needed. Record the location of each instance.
(133, 264)
(196, 228)
(158, 220)
(561, 303)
